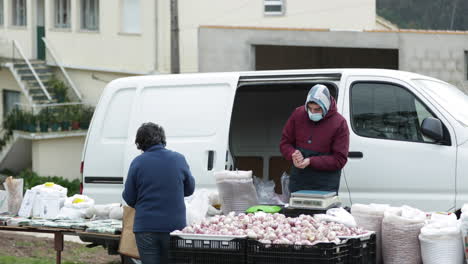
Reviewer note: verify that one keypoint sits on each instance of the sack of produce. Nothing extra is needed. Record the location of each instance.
(14, 188)
(75, 207)
(464, 229)
(47, 192)
(400, 231)
(370, 217)
(236, 191)
(441, 242)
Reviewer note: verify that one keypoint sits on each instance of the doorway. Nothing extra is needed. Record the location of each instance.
(40, 30)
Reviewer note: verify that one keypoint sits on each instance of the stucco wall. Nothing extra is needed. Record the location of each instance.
(58, 157)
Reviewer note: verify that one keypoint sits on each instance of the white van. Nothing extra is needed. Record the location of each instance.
(408, 132)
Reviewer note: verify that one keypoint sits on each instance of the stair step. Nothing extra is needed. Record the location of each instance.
(34, 84)
(23, 65)
(33, 91)
(38, 70)
(39, 102)
(41, 97)
(42, 76)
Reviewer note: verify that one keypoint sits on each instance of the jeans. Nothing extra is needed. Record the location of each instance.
(153, 247)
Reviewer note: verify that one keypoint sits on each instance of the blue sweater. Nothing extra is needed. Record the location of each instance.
(157, 182)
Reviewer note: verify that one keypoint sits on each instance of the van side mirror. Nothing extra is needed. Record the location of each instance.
(432, 128)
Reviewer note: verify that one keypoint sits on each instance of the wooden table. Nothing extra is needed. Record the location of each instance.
(58, 235)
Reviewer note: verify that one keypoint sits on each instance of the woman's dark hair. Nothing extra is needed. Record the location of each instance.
(148, 135)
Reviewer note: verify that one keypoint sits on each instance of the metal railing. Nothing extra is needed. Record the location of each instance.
(65, 74)
(20, 51)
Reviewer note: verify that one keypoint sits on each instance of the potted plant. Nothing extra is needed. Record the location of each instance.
(31, 122)
(75, 115)
(64, 118)
(43, 118)
(86, 116)
(53, 121)
(59, 89)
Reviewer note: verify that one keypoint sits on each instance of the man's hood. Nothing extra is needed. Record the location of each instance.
(320, 95)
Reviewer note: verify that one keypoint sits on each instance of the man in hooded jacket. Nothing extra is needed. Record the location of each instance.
(316, 139)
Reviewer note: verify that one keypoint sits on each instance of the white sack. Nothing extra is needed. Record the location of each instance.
(400, 242)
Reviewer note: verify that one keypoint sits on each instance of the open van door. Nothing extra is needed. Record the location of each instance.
(195, 112)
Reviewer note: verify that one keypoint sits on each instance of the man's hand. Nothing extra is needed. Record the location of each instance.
(303, 164)
(297, 157)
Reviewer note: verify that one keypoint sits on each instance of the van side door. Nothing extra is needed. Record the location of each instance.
(390, 160)
(195, 112)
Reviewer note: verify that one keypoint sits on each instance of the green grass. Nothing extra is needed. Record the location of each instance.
(18, 260)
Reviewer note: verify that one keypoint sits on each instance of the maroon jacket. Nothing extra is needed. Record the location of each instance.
(330, 135)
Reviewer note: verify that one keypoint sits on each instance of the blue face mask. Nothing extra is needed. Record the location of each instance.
(314, 116)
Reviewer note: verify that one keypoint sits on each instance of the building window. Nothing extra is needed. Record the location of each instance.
(11, 100)
(90, 15)
(62, 13)
(273, 7)
(130, 16)
(19, 15)
(1, 12)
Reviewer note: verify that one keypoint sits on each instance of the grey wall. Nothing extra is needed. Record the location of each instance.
(439, 55)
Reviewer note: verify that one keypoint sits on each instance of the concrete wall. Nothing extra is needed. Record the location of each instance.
(335, 14)
(58, 157)
(91, 83)
(436, 54)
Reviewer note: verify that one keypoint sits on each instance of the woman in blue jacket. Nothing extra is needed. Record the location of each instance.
(157, 182)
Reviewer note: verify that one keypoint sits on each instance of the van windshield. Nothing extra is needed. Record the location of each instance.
(451, 98)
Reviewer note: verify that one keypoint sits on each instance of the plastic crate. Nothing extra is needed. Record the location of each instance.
(363, 250)
(323, 253)
(205, 251)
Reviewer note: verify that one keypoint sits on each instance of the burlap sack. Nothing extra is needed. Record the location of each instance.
(127, 244)
(370, 218)
(400, 242)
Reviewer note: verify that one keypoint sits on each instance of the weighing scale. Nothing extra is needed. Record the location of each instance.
(310, 199)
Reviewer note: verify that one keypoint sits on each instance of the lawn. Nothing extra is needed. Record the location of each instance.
(21, 249)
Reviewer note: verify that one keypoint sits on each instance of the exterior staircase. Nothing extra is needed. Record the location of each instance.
(32, 86)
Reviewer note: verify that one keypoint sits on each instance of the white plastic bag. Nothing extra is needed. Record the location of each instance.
(116, 213)
(79, 201)
(69, 213)
(197, 206)
(286, 194)
(338, 215)
(46, 190)
(14, 188)
(265, 191)
(441, 242)
(236, 191)
(400, 242)
(101, 211)
(3, 202)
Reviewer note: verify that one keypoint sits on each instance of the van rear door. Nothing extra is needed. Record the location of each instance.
(195, 112)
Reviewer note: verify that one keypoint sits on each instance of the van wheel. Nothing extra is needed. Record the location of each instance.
(128, 260)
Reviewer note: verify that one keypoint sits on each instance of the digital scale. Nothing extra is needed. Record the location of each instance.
(309, 199)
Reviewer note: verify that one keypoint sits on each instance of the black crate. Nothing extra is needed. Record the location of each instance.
(323, 253)
(363, 250)
(203, 251)
(296, 212)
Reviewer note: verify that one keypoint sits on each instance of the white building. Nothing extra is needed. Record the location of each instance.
(91, 42)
